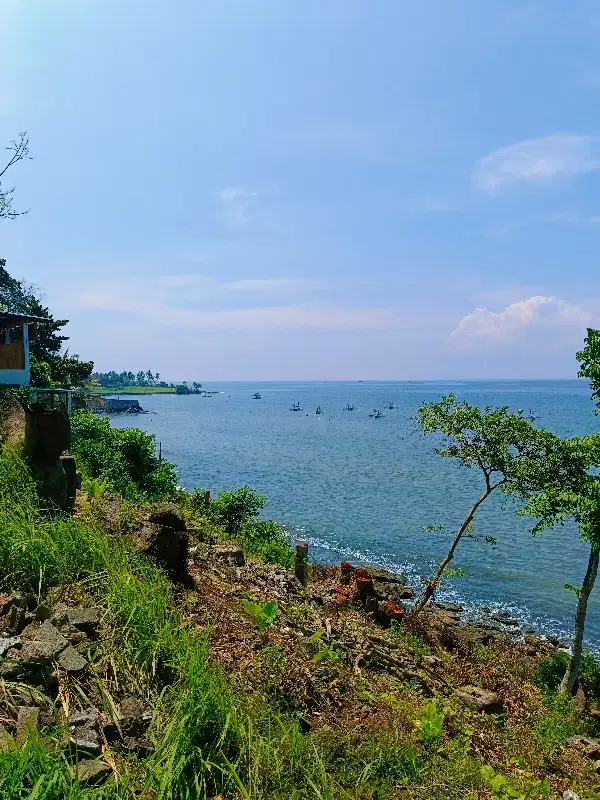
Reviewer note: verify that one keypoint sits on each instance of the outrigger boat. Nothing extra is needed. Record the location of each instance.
(296, 407)
(318, 411)
(257, 396)
(349, 407)
(377, 413)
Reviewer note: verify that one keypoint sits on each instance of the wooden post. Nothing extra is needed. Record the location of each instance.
(301, 563)
(207, 500)
(160, 451)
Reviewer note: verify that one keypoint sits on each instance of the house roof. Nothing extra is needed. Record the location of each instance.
(8, 318)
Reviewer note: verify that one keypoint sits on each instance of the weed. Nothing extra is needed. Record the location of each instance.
(430, 724)
(326, 652)
(262, 616)
(502, 789)
(557, 724)
(412, 641)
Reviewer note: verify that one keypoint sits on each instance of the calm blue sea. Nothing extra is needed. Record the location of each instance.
(363, 489)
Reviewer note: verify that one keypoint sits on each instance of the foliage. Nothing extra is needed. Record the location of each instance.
(266, 540)
(49, 365)
(261, 616)
(235, 508)
(510, 453)
(557, 724)
(589, 363)
(20, 152)
(326, 652)
(123, 458)
(502, 789)
(415, 643)
(118, 380)
(550, 672)
(430, 723)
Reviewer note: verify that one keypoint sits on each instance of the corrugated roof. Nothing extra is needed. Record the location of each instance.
(8, 318)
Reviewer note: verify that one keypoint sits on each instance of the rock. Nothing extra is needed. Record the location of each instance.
(17, 619)
(372, 605)
(25, 601)
(27, 720)
(91, 772)
(346, 573)
(69, 466)
(480, 700)
(134, 717)
(86, 620)
(230, 554)
(168, 516)
(84, 731)
(140, 746)
(167, 546)
(7, 643)
(52, 483)
(35, 652)
(432, 662)
(43, 612)
(504, 618)
(589, 747)
(455, 608)
(389, 586)
(48, 633)
(569, 795)
(72, 661)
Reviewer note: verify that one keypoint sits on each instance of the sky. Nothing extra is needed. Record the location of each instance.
(272, 190)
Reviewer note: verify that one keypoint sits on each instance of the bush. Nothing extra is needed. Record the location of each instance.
(233, 509)
(123, 458)
(267, 541)
(550, 672)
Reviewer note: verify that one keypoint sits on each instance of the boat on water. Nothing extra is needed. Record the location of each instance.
(377, 413)
(318, 411)
(296, 407)
(257, 396)
(391, 406)
(349, 407)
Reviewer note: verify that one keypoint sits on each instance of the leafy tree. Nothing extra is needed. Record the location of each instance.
(50, 366)
(511, 455)
(582, 505)
(234, 509)
(20, 152)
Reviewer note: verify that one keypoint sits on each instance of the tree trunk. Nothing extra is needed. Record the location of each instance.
(572, 673)
(433, 583)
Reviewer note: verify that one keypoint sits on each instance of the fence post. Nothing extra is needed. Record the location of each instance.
(301, 563)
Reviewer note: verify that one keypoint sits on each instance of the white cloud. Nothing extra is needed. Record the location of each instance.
(538, 311)
(534, 160)
(236, 202)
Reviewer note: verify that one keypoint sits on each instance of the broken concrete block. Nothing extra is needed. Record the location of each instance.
(480, 700)
(91, 772)
(72, 661)
(84, 731)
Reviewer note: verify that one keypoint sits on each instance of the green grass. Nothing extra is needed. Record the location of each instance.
(134, 390)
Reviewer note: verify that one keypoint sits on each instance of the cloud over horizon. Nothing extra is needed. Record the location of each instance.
(538, 311)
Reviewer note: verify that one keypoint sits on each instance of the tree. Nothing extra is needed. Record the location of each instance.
(20, 152)
(511, 454)
(583, 506)
(49, 365)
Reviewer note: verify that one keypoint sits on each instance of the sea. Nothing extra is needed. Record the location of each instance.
(363, 489)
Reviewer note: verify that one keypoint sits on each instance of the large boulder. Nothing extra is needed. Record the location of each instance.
(168, 516)
(481, 700)
(389, 585)
(167, 546)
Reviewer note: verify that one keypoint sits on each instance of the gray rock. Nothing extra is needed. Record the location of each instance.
(43, 612)
(134, 716)
(84, 731)
(589, 747)
(28, 718)
(480, 700)
(455, 608)
(49, 633)
(35, 652)
(504, 618)
(7, 643)
(168, 516)
(72, 661)
(91, 772)
(231, 554)
(569, 795)
(17, 619)
(86, 620)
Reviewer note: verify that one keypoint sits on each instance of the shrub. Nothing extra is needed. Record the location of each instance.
(123, 458)
(267, 541)
(558, 723)
(233, 509)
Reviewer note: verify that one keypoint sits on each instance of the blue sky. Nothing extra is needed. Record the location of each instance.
(252, 189)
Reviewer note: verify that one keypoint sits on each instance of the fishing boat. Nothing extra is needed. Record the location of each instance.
(296, 407)
(391, 406)
(349, 407)
(257, 396)
(377, 413)
(318, 411)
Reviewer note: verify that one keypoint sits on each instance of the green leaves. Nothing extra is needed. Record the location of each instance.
(237, 507)
(262, 616)
(430, 723)
(589, 361)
